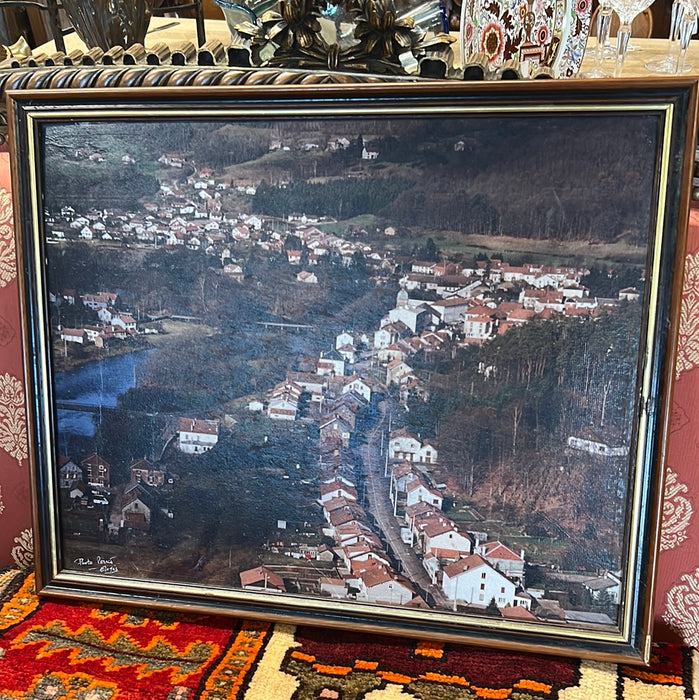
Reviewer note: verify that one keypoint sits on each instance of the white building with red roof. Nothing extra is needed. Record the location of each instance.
(473, 581)
(376, 583)
(195, 436)
(504, 559)
(434, 531)
(404, 445)
(418, 490)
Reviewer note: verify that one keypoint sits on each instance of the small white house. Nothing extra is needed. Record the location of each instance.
(473, 581)
(195, 436)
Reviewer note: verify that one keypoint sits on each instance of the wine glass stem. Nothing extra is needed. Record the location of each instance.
(604, 20)
(676, 18)
(622, 45)
(686, 29)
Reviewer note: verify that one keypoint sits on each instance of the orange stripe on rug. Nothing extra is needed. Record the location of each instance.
(20, 606)
(392, 677)
(659, 678)
(533, 685)
(431, 650)
(443, 678)
(227, 678)
(492, 693)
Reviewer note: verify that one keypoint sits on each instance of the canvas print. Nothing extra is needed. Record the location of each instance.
(393, 365)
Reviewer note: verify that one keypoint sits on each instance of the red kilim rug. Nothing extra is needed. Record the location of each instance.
(55, 651)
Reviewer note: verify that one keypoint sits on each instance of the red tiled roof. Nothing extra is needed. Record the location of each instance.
(497, 550)
(261, 575)
(469, 563)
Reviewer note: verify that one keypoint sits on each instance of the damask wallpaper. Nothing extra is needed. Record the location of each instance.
(677, 600)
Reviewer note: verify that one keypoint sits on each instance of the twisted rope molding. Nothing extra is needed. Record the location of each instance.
(147, 76)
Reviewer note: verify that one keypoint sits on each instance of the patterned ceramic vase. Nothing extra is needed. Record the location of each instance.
(108, 23)
(542, 35)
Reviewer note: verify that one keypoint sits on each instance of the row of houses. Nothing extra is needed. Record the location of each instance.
(477, 316)
(189, 214)
(365, 567)
(328, 381)
(89, 483)
(112, 323)
(469, 570)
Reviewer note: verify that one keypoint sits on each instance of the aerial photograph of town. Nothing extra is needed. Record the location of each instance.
(384, 360)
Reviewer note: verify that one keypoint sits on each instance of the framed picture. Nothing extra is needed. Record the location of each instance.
(393, 357)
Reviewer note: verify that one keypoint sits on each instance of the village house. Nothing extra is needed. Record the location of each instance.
(403, 445)
(342, 339)
(96, 470)
(74, 335)
(336, 428)
(69, 473)
(389, 333)
(294, 257)
(344, 514)
(392, 353)
(376, 583)
(125, 321)
(333, 587)
(504, 559)
(344, 413)
(282, 407)
(352, 555)
(479, 328)
(234, 272)
(418, 490)
(542, 299)
(396, 370)
(138, 506)
(472, 581)
(348, 353)
(629, 294)
(330, 363)
(142, 471)
(284, 401)
(195, 435)
(449, 311)
(412, 312)
(314, 384)
(358, 385)
(436, 533)
(101, 300)
(262, 578)
(353, 532)
(307, 277)
(337, 489)
(608, 585)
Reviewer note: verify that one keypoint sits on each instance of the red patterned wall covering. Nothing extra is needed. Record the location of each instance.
(15, 515)
(677, 600)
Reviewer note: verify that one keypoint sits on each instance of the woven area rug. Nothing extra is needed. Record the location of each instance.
(52, 650)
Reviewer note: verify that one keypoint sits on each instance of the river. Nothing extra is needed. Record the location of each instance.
(94, 385)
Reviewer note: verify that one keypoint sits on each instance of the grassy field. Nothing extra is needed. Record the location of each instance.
(554, 252)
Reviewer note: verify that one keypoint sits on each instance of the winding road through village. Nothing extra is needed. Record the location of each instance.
(380, 506)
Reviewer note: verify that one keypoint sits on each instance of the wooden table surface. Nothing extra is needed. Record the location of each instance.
(176, 31)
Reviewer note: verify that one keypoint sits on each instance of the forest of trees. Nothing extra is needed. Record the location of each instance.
(339, 199)
(503, 413)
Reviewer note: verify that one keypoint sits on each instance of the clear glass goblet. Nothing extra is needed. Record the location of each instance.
(627, 10)
(688, 26)
(678, 32)
(602, 50)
